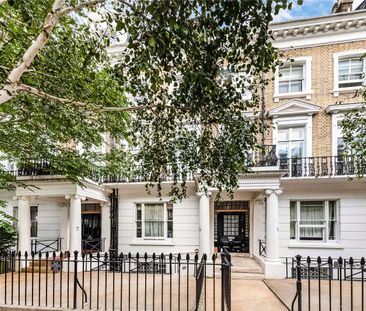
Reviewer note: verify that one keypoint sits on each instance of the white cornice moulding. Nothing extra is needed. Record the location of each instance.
(342, 108)
(335, 28)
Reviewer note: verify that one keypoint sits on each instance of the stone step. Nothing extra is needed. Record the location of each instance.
(247, 276)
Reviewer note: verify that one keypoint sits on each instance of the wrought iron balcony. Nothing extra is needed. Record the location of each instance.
(265, 156)
(345, 165)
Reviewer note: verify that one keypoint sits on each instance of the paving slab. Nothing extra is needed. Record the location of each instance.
(350, 299)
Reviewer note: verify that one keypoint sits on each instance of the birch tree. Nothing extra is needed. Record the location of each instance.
(188, 65)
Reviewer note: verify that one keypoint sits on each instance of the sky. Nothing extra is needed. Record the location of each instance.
(310, 8)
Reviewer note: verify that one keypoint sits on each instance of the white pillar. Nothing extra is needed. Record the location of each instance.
(75, 223)
(273, 266)
(204, 209)
(106, 225)
(24, 225)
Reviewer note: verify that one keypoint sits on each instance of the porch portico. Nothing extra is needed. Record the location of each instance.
(238, 223)
(61, 204)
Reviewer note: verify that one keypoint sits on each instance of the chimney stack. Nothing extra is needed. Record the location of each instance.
(342, 6)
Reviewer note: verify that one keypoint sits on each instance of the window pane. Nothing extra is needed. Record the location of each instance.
(138, 212)
(284, 73)
(312, 213)
(297, 72)
(138, 229)
(170, 229)
(293, 217)
(297, 133)
(296, 86)
(283, 134)
(284, 87)
(297, 149)
(154, 220)
(311, 233)
(34, 221)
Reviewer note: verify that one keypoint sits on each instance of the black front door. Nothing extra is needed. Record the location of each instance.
(231, 231)
(91, 231)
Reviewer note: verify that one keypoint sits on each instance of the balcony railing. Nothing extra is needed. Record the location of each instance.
(345, 165)
(323, 166)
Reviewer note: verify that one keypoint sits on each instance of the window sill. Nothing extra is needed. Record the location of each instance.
(315, 245)
(346, 90)
(307, 94)
(153, 242)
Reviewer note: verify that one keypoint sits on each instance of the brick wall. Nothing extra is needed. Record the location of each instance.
(322, 73)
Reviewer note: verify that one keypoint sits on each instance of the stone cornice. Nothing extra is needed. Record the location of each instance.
(339, 108)
(319, 26)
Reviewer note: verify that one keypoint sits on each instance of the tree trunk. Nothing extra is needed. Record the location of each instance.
(14, 76)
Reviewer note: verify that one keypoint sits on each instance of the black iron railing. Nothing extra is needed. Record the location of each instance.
(265, 156)
(262, 248)
(225, 280)
(93, 245)
(45, 245)
(130, 282)
(323, 166)
(327, 283)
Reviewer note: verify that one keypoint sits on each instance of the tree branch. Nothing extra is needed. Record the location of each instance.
(38, 93)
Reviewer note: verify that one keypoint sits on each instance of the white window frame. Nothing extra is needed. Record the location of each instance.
(325, 225)
(165, 220)
(286, 122)
(336, 118)
(336, 58)
(307, 89)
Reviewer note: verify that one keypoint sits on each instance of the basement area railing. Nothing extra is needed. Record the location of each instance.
(327, 283)
(45, 245)
(123, 282)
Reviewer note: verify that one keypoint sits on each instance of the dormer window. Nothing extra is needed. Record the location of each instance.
(293, 79)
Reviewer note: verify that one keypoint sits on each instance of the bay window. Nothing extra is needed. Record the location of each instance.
(154, 220)
(314, 220)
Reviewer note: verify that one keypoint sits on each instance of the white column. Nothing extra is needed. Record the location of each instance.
(24, 225)
(204, 210)
(273, 266)
(106, 225)
(75, 223)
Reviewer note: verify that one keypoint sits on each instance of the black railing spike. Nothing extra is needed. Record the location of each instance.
(340, 261)
(25, 254)
(19, 254)
(33, 254)
(47, 254)
(351, 261)
(137, 255)
(204, 257)
(213, 257)
(362, 261)
(319, 260)
(170, 256)
(98, 255)
(13, 254)
(162, 256)
(308, 260)
(153, 256)
(179, 257)
(330, 261)
(196, 257)
(129, 255)
(188, 257)
(75, 254)
(145, 256)
(61, 254)
(54, 254)
(106, 255)
(120, 255)
(83, 255)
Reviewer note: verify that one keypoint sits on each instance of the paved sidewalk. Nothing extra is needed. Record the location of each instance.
(252, 296)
